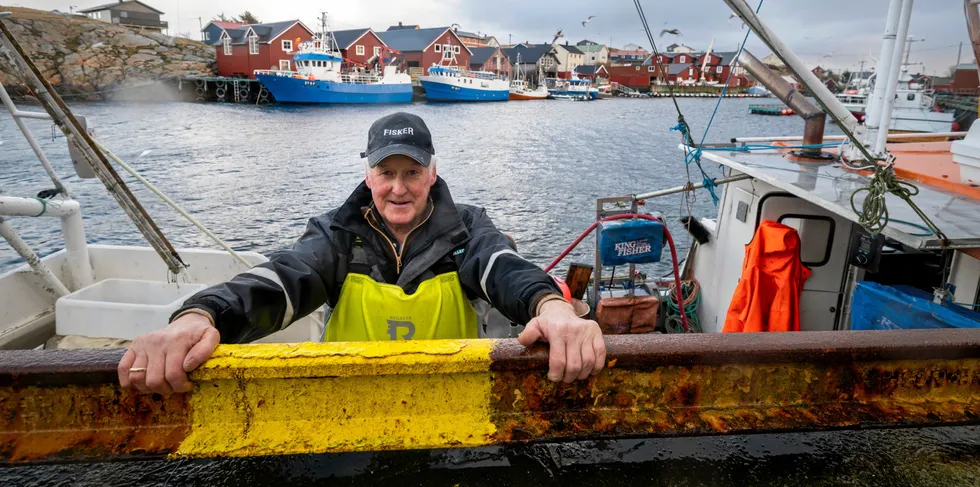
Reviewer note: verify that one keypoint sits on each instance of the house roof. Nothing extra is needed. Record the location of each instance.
(116, 4)
(481, 54)
(403, 27)
(267, 32)
(941, 80)
(675, 69)
(972, 66)
(591, 47)
(529, 54)
(408, 40)
(345, 38)
(225, 24)
(726, 57)
(471, 35)
(572, 49)
(590, 70)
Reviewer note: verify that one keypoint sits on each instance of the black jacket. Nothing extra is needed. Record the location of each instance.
(296, 282)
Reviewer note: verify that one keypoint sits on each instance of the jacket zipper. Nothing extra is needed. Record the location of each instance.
(398, 255)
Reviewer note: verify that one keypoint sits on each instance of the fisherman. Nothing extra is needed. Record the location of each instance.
(399, 260)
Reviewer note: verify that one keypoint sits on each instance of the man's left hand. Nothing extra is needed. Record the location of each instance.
(576, 345)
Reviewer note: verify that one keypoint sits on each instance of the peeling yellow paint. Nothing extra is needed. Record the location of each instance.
(341, 397)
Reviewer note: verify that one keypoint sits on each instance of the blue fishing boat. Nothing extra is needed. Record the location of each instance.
(574, 89)
(451, 83)
(321, 76)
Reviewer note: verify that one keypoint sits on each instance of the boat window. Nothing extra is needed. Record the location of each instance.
(816, 237)
(911, 97)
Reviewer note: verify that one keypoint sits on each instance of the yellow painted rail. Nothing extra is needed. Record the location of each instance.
(252, 400)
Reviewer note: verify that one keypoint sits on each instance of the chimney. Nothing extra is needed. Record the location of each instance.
(399, 24)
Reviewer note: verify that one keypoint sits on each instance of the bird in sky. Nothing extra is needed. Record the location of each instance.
(557, 36)
(675, 32)
(586, 21)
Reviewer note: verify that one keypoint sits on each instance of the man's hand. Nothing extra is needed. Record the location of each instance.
(576, 345)
(168, 355)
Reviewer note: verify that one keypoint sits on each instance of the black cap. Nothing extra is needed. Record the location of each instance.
(399, 133)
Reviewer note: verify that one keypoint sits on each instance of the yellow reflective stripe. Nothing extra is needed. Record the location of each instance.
(366, 396)
(486, 272)
(271, 275)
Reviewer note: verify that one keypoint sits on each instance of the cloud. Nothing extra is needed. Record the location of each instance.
(832, 33)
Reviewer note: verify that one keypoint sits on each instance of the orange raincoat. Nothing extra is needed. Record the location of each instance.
(768, 295)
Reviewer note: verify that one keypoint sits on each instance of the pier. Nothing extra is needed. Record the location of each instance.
(220, 89)
(771, 109)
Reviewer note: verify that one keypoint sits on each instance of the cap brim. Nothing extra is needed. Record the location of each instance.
(419, 155)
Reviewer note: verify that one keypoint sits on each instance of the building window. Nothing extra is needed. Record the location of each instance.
(359, 49)
(650, 69)
(690, 71)
(683, 59)
(447, 54)
(720, 69)
(457, 49)
(637, 68)
(287, 46)
(253, 44)
(284, 65)
(227, 44)
(438, 48)
(377, 51)
(207, 36)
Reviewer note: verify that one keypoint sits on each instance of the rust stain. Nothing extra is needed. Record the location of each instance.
(710, 399)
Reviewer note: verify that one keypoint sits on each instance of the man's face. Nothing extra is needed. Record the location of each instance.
(400, 190)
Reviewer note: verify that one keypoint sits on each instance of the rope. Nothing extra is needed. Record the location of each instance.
(873, 214)
(692, 301)
(44, 207)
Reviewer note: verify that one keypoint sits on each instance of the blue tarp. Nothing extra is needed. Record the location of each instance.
(878, 307)
(630, 242)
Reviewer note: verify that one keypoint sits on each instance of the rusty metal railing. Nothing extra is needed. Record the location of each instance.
(252, 400)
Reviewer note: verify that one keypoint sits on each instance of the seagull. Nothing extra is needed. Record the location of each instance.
(557, 35)
(586, 21)
(144, 153)
(675, 32)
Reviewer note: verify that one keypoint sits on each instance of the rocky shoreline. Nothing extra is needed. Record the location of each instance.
(91, 59)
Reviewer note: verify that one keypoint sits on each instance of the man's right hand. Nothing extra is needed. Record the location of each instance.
(168, 355)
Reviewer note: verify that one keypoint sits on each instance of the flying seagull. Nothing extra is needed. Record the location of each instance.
(586, 21)
(557, 35)
(735, 16)
(675, 32)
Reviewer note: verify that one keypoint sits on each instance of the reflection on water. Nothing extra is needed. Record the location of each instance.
(884, 458)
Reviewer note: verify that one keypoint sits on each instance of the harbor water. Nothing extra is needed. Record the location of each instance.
(255, 174)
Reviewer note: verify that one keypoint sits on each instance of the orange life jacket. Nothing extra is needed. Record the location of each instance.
(768, 295)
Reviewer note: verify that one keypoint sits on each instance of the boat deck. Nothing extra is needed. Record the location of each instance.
(952, 207)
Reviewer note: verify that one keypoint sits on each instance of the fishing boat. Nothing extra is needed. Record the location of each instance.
(859, 260)
(915, 108)
(571, 89)
(521, 90)
(322, 76)
(446, 81)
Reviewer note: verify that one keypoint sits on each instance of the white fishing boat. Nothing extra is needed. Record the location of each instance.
(915, 108)
(520, 89)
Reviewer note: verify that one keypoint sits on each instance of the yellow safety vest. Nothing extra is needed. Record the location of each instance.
(368, 310)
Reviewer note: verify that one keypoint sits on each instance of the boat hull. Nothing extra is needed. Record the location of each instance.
(296, 90)
(440, 90)
(528, 95)
(592, 95)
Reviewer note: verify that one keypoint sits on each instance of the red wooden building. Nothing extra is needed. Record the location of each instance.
(965, 80)
(491, 60)
(634, 75)
(683, 74)
(422, 48)
(594, 73)
(246, 48)
(359, 45)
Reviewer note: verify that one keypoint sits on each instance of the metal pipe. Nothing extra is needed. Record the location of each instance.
(893, 76)
(836, 138)
(820, 92)
(15, 206)
(883, 68)
(680, 189)
(55, 286)
(76, 248)
(18, 115)
(815, 118)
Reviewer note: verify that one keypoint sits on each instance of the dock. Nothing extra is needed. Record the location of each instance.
(771, 109)
(219, 89)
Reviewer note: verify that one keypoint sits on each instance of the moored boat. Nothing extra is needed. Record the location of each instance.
(451, 83)
(573, 88)
(322, 76)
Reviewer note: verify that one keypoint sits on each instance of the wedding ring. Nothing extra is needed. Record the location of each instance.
(138, 369)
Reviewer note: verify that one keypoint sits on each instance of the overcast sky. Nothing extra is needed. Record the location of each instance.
(838, 34)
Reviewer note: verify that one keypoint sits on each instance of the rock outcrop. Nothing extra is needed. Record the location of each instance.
(83, 56)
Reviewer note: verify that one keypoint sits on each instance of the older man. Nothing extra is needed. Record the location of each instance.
(399, 260)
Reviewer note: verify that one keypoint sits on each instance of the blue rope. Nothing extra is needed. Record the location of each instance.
(695, 155)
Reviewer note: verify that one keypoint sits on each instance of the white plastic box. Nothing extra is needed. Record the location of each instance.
(966, 153)
(120, 308)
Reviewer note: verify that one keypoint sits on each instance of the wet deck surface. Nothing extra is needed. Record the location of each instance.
(948, 456)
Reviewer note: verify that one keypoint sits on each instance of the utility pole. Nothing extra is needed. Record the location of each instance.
(201, 28)
(959, 54)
